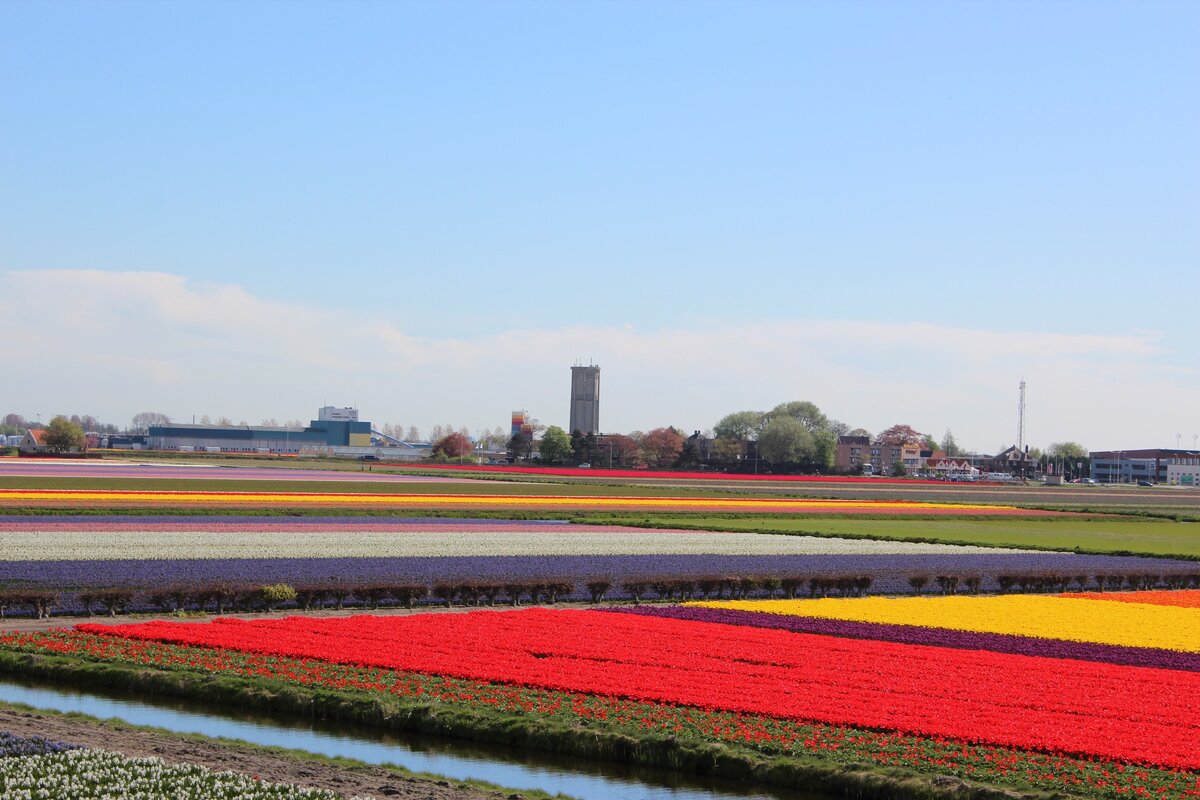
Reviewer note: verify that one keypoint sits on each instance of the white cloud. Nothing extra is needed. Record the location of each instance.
(112, 344)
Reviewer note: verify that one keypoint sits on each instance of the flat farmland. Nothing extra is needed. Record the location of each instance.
(784, 627)
(1090, 534)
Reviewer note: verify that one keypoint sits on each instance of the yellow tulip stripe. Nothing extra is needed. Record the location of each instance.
(1068, 619)
(783, 505)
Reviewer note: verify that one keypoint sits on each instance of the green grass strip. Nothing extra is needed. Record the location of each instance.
(1099, 536)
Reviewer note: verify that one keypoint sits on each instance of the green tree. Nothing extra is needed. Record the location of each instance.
(1067, 450)
(785, 439)
(727, 448)
(742, 425)
(898, 469)
(824, 451)
(949, 445)
(63, 435)
(804, 412)
(555, 445)
(689, 456)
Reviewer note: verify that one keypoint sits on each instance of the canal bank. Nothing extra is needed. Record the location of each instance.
(338, 757)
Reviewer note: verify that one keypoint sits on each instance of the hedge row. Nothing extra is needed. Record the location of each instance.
(222, 597)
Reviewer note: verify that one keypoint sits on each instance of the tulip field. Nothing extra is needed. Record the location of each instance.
(1048, 718)
(1046, 668)
(84, 498)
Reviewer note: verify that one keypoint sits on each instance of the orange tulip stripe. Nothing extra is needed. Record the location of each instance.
(1181, 599)
(91, 497)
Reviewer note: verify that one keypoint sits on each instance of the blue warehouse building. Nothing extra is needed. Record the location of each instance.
(326, 435)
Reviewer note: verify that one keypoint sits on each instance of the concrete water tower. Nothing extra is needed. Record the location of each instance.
(585, 399)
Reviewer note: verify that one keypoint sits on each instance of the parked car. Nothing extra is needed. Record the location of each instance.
(1145, 483)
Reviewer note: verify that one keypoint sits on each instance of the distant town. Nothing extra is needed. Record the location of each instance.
(794, 437)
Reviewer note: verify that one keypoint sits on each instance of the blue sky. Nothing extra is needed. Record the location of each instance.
(896, 210)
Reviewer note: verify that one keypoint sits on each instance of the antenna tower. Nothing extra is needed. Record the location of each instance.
(1021, 419)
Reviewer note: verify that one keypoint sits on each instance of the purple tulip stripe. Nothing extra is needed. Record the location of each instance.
(937, 637)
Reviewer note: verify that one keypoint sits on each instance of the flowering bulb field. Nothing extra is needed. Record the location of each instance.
(847, 746)
(930, 635)
(72, 553)
(1090, 694)
(85, 498)
(1136, 624)
(76, 773)
(1138, 714)
(268, 537)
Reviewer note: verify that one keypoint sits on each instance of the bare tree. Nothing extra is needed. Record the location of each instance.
(143, 420)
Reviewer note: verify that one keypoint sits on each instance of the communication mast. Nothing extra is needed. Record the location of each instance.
(1021, 418)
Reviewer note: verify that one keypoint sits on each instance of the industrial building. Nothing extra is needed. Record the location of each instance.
(585, 399)
(336, 431)
(1150, 464)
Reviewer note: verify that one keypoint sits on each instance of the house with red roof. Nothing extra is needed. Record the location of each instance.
(34, 441)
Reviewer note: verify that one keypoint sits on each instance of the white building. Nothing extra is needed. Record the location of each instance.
(1184, 474)
(336, 414)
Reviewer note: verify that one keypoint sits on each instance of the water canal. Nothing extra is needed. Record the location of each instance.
(455, 759)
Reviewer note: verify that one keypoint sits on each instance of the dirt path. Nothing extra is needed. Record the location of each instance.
(371, 781)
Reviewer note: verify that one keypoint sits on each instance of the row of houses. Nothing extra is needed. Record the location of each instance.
(859, 452)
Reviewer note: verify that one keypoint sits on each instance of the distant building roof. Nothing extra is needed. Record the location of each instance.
(39, 435)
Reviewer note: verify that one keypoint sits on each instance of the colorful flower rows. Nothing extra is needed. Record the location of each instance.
(938, 637)
(1066, 618)
(1144, 715)
(84, 539)
(91, 497)
(769, 735)
(890, 571)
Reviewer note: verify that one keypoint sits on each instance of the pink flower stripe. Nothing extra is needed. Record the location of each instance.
(214, 524)
(574, 472)
(569, 503)
(1143, 715)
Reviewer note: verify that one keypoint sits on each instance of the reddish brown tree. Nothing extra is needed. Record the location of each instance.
(900, 435)
(661, 447)
(624, 450)
(454, 445)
